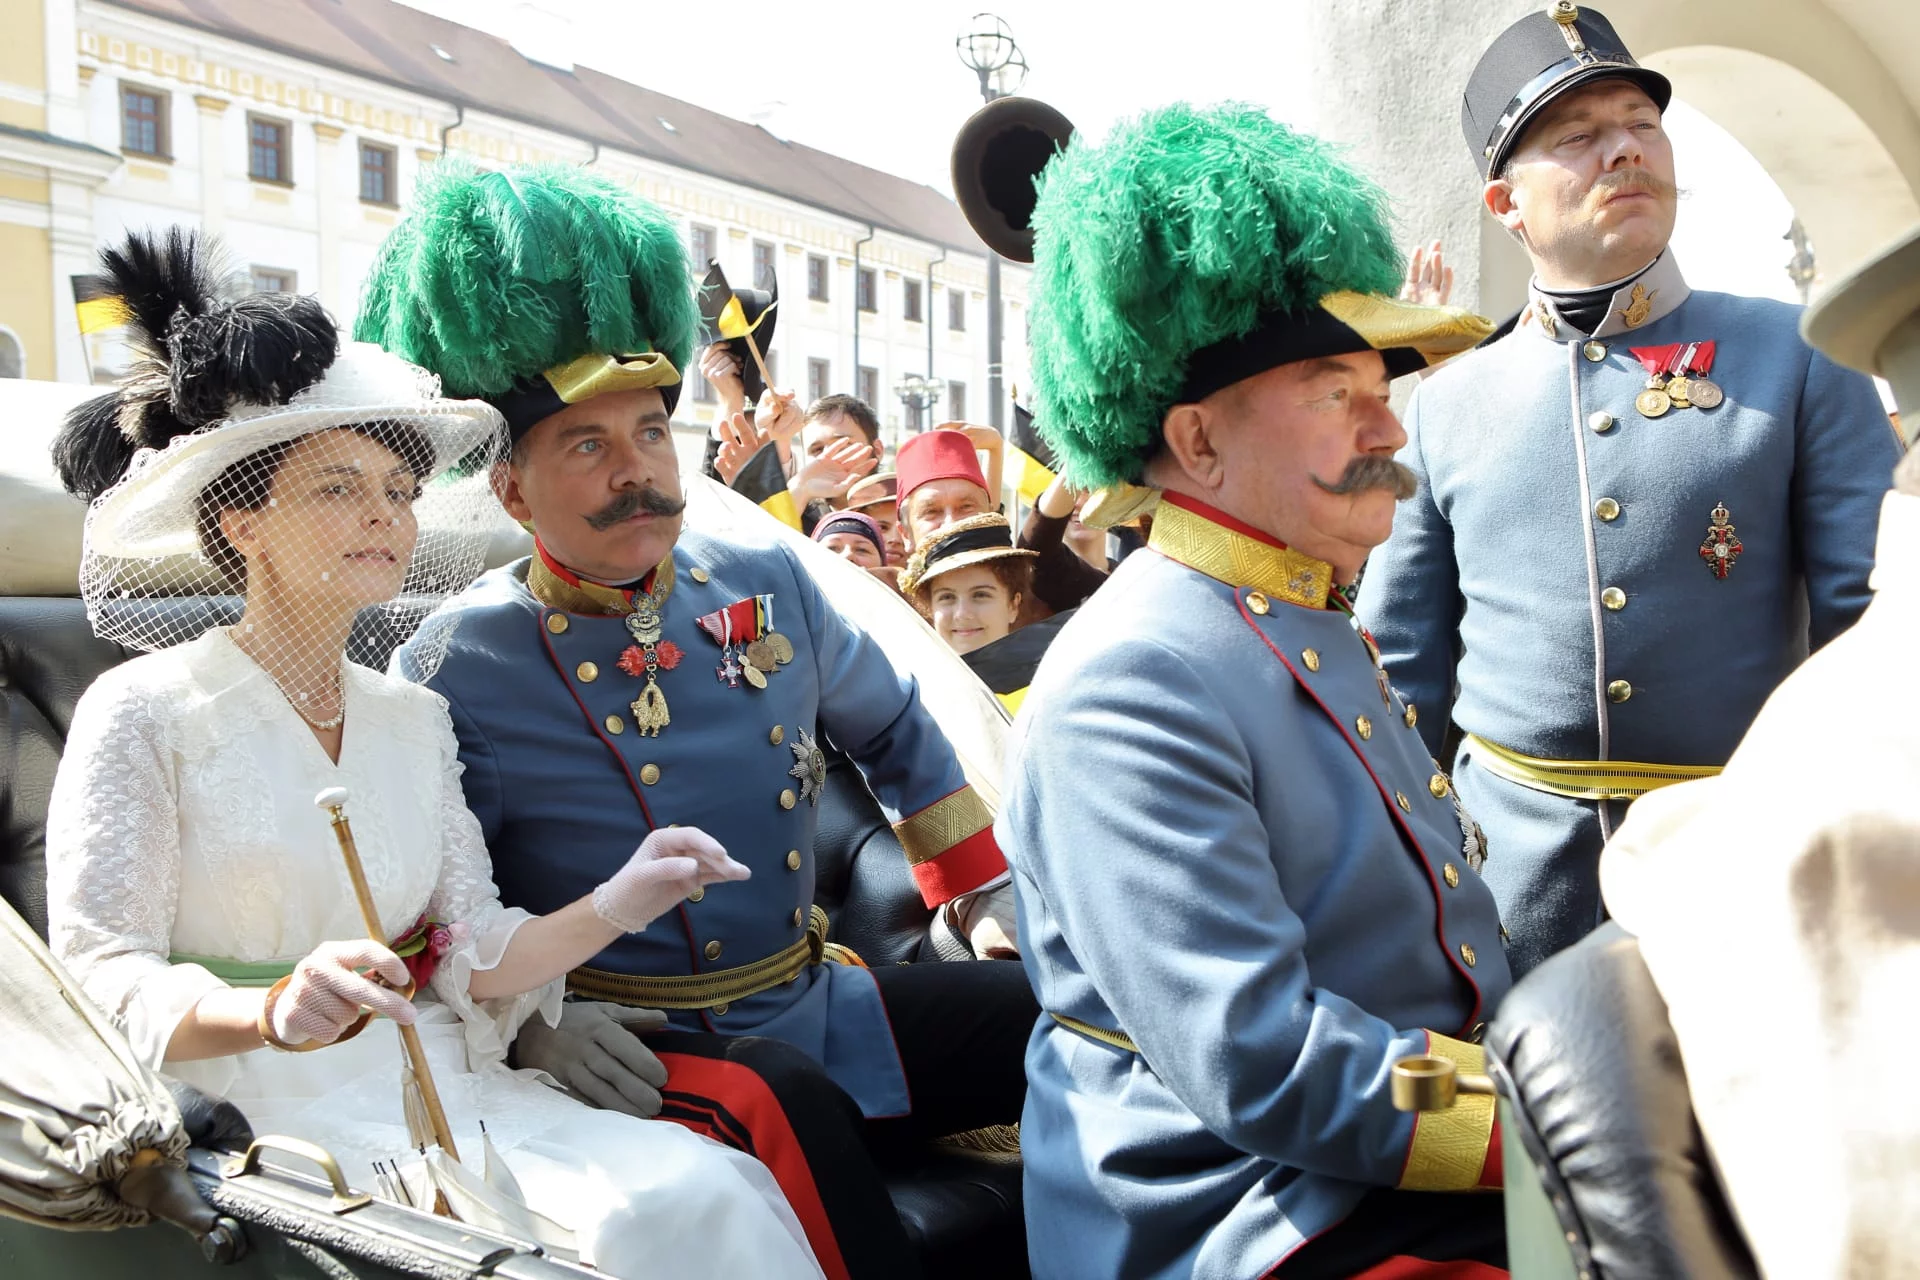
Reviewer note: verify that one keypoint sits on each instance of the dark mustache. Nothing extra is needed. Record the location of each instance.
(631, 502)
(1632, 182)
(1372, 471)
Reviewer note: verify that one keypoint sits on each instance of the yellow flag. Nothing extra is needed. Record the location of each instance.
(733, 320)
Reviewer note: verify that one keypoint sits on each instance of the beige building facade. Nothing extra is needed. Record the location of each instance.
(298, 140)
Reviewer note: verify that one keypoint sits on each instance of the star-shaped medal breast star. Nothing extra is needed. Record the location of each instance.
(809, 767)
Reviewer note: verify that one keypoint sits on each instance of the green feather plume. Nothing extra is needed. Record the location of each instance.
(1180, 230)
(496, 276)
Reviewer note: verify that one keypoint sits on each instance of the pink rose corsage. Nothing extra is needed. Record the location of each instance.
(421, 948)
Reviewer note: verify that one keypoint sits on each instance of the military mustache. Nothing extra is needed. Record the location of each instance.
(633, 502)
(1371, 471)
(1631, 182)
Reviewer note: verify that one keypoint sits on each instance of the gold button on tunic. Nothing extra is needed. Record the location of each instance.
(588, 672)
(1413, 715)
(696, 895)
(1614, 598)
(787, 799)
(793, 859)
(556, 622)
(1451, 874)
(1594, 351)
(697, 574)
(776, 735)
(720, 1010)
(1467, 954)
(649, 774)
(1619, 691)
(798, 916)
(1400, 798)
(1439, 786)
(1607, 509)
(713, 950)
(1312, 658)
(1363, 727)
(1257, 602)
(616, 725)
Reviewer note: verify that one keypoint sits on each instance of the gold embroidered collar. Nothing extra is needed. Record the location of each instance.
(1214, 543)
(580, 596)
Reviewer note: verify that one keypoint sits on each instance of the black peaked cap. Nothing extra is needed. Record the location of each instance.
(1533, 62)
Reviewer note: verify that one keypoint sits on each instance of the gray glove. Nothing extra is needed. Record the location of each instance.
(596, 1053)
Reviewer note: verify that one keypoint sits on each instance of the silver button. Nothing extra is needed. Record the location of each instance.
(1600, 420)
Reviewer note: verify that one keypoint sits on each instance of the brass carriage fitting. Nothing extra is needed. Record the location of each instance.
(1432, 1084)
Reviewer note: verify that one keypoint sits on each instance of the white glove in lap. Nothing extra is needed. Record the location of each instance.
(668, 865)
(327, 992)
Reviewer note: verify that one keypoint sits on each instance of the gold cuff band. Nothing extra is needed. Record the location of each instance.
(705, 990)
(1582, 779)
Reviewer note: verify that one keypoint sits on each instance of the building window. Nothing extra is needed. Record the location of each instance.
(864, 288)
(957, 401)
(704, 244)
(819, 380)
(379, 176)
(869, 389)
(703, 392)
(764, 275)
(13, 356)
(143, 121)
(911, 301)
(817, 277)
(267, 158)
(957, 309)
(274, 280)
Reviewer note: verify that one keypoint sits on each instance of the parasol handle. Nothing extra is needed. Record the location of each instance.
(334, 801)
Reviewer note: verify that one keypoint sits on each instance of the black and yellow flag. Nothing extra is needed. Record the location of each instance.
(96, 305)
(765, 482)
(729, 316)
(1030, 466)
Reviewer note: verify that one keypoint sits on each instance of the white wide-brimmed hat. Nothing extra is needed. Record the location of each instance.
(152, 513)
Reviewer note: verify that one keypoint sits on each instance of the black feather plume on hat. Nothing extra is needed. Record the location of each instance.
(200, 351)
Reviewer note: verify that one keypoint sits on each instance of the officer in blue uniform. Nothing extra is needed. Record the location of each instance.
(632, 675)
(1245, 889)
(1639, 508)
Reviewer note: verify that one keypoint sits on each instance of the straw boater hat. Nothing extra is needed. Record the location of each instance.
(975, 540)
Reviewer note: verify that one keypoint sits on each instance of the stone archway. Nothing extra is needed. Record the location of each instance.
(1800, 83)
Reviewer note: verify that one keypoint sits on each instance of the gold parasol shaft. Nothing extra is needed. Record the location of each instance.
(334, 801)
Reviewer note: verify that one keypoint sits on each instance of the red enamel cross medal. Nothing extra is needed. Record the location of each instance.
(1721, 548)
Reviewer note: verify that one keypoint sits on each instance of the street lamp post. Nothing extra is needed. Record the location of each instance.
(986, 44)
(919, 394)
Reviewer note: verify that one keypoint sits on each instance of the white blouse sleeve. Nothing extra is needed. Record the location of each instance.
(113, 867)
(466, 897)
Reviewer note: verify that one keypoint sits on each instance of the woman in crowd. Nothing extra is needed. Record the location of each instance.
(195, 891)
(858, 538)
(969, 579)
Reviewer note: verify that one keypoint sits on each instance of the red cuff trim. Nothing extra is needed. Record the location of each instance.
(961, 869)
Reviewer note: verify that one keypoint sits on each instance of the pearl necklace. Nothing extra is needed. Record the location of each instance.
(339, 692)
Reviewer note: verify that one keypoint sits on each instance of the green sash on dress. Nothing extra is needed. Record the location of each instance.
(237, 973)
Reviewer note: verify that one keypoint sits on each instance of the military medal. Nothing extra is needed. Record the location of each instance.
(1721, 548)
(1697, 363)
(809, 767)
(748, 649)
(1654, 401)
(643, 624)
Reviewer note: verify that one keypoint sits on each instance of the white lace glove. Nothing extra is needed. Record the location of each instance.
(668, 865)
(327, 993)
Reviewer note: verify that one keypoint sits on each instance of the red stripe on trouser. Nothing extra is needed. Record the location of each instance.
(1406, 1268)
(746, 1097)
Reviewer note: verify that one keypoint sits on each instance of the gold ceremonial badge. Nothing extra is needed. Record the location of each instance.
(1653, 402)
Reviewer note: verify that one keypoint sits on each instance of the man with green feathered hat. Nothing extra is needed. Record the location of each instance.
(632, 674)
(1273, 894)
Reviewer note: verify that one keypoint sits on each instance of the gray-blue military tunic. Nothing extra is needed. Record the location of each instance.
(1615, 595)
(565, 785)
(1245, 891)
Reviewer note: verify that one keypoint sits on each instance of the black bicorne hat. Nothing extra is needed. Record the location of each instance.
(1533, 62)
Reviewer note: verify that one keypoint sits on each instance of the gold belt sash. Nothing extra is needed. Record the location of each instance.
(1113, 1039)
(705, 990)
(1582, 779)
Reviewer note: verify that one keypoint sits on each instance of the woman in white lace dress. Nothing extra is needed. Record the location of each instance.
(197, 893)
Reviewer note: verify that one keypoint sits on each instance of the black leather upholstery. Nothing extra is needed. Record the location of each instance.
(963, 1208)
(1584, 1052)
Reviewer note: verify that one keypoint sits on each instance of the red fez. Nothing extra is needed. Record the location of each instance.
(937, 455)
